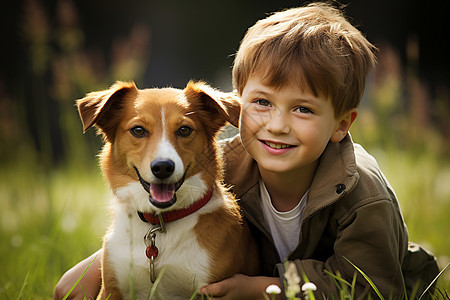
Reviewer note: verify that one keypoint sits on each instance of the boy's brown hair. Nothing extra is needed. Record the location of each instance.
(314, 47)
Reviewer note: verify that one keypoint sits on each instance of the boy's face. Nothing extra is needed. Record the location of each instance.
(286, 130)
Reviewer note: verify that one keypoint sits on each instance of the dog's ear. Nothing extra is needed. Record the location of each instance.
(220, 107)
(102, 108)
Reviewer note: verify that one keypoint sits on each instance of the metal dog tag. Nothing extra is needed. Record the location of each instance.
(152, 250)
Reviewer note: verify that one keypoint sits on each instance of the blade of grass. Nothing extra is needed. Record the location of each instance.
(434, 280)
(338, 278)
(82, 275)
(404, 289)
(25, 282)
(353, 287)
(335, 280)
(155, 285)
(414, 290)
(194, 296)
(368, 279)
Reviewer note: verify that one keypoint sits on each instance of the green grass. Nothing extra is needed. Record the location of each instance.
(48, 222)
(421, 183)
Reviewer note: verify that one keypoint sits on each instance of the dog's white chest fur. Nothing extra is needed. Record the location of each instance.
(183, 265)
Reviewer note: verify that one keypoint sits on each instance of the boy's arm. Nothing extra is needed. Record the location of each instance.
(89, 285)
(240, 287)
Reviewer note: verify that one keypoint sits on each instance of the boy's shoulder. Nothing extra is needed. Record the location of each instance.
(357, 162)
(371, 187)
(348, 176)
(371, 177)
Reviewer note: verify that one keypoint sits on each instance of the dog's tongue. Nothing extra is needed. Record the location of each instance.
(162, 192)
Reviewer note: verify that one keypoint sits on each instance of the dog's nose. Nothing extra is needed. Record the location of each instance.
(162, 168)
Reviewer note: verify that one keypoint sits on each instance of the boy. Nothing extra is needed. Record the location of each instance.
(310, 195)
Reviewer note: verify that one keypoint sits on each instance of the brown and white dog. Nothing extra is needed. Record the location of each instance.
(173, 219)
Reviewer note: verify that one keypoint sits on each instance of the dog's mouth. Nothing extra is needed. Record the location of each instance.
(161, 195)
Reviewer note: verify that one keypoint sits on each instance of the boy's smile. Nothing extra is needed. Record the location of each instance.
(286, 129)
(276, 148)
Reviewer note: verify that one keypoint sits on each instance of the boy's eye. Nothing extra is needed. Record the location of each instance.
(139, 131)
(304, 110)
(262, 102)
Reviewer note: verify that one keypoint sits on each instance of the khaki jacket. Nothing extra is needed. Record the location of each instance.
(351, 214)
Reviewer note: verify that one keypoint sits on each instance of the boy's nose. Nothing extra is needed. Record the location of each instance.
(277, 123)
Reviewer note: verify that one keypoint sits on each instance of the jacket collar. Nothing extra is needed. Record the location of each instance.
(336, 175)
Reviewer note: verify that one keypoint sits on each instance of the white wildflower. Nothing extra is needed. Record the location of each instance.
(293, 281)
(291, 275)
(273, 289)
(309, 286)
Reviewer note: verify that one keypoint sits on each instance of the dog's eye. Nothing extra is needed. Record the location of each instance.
(184, 131)
(139, 131)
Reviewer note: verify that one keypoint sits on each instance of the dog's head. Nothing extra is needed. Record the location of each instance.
(160, 144)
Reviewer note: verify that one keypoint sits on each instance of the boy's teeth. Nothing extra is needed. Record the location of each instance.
(276, 146)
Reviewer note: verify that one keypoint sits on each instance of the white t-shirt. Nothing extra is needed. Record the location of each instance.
(284, 226)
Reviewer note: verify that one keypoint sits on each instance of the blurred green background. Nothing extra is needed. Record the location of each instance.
(53, 200)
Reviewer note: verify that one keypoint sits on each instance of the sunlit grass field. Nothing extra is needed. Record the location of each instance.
(52, 218)
(48, 222)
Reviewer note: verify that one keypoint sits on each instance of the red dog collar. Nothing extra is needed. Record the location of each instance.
(174, 215)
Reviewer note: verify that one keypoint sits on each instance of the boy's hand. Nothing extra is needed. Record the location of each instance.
(89, 285)
(240, 287)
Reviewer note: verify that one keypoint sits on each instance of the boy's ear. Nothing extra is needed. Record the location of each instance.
(217, 106)
(102, 108)
(343, 125)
